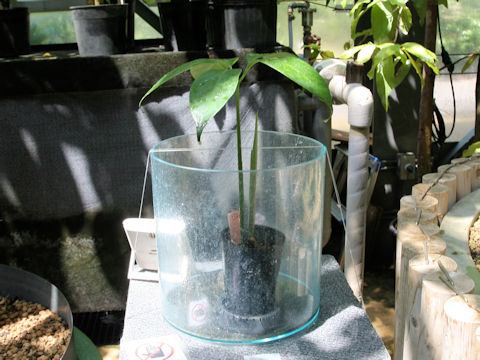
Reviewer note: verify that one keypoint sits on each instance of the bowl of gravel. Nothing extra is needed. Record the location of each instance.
(36, 321)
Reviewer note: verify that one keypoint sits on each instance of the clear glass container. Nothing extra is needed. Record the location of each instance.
(224, 277)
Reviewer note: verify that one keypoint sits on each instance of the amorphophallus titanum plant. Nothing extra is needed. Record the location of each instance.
(216, 80)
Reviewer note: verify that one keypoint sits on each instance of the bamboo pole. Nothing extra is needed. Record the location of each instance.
(461, 339)
(418, 267)
(439, 192)
(430, 318)
(449, 180)
(464, 181)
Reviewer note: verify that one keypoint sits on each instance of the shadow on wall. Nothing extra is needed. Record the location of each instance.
(72, 166)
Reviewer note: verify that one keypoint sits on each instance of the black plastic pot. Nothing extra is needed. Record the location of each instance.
(251, 272)
(183, 24)
(100, 29)
(237, 24)
(14, 32)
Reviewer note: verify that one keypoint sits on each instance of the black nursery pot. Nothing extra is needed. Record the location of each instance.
(236, 24)
(100, 29)
(183, 24)
(251, 272)
(14, 32)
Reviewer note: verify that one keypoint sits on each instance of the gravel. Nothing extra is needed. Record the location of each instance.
(474, 243)
(29, 331)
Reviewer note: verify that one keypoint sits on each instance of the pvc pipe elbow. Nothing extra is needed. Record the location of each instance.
(360, 105)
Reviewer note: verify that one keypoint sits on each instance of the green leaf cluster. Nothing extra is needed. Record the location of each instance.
(391, 63)
(216, 80)
(387, 17)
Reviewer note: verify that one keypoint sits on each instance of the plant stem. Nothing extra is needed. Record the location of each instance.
(240, 162)
(253, 182)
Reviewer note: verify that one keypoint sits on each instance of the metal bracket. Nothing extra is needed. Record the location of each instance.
(406, 166)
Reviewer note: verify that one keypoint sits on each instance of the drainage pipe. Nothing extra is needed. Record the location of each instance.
(359, 100)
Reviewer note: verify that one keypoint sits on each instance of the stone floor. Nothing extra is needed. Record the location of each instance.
(379, 297)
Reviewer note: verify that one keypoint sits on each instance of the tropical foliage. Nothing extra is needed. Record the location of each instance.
(390, 62)
(216, 80)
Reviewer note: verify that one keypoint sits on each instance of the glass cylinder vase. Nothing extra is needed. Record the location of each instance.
(239, 251)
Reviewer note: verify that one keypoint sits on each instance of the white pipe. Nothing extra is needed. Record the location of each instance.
(359, 100)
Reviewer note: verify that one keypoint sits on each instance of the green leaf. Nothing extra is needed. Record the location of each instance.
(197, 70)
(386, 50)
(433, 67)
(394, 73)
(209, 94)
(383, 88)
(85, 349)
(405, 20)
(469, 62)
(417, 66)
(382, 22)
(350, 53)
(365, 33)
(400, 3)
(180, 69)
(327, 54)
(420, 52)
(365, 54)
(300, 72)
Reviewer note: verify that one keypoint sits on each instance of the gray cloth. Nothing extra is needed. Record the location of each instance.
(341, 331)
(62, 154)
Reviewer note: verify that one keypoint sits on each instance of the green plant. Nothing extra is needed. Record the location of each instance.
(390, 62)
(216, 80)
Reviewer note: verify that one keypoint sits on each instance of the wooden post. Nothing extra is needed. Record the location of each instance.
(418, 267)
(461, 340)
(428, 203)
(464, 181)
(475, 164)
(449, 180)
(430, 318)
(410, 216)
(439, 192)
(409, 245)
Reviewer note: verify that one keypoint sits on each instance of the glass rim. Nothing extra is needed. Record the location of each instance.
(315, 144)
